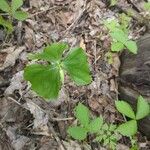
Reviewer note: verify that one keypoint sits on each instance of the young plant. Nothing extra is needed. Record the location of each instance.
(113, 2)
(129, 128)
(86, 124)
(108, 135)
(124, 21)
(46, 79)
(6, 24)
(104, 133)
(120, 37)
(13, 11)
(147, 6)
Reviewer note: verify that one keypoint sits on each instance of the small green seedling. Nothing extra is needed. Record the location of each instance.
(147, 6)
(13, 11)
(104, 133)
(113, 2)
(124, 21)
(86, 124)
(46, 79)
(129, 128)
(108, 135)
(120, 37)
(6, 24)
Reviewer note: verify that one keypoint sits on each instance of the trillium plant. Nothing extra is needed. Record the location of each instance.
(119, 35)
(13, 11)
(130, 127)
(47, 78)
(109, 134)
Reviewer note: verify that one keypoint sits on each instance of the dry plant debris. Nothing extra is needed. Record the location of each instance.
(28, 122)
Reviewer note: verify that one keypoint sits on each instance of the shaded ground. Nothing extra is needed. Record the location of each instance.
(26, 121)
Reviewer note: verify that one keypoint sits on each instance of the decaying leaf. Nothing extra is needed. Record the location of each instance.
(15, 84)
(40, 118)
(12, 55)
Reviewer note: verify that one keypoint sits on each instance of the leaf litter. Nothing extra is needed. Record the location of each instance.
(28, 122)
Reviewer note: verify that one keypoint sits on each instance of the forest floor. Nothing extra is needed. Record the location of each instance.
(27, 122)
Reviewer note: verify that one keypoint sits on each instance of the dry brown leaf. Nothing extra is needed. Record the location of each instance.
(16, 83)
(41, 118)
(29, 38)
(82, 44)
(12, 54)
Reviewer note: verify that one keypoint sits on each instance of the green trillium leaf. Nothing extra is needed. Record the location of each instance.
(45, 80)
(132, 46)
(51, 53)
(77, 133)
(128, 129)
(20, 15)
(119, 36)
(77, 66)
(124, 108)
(15, 4)
(4, 6)
(117, 46)
(143, 108)
(82, 114)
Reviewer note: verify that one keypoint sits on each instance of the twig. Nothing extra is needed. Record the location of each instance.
(72, 26)
(134, 6)
(62, 119)
(43, 11)
(61, 146)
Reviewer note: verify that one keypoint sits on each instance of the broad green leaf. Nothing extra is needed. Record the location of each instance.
(15, 4)
(131, 46)
(20, 15)
(45, 80)
(128, 129)
(77, 66)
(6, 24)
(51, 53)
(82, 114)
(77, 133)
(124, 108)
(119, 36)
(143, 108)
(117, 46)
(4, 6)
(95, 125)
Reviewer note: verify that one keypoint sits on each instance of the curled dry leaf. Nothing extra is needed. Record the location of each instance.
(17, 141)
(30, 36)
(41, 118)
(12, 54)
(16, 83)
